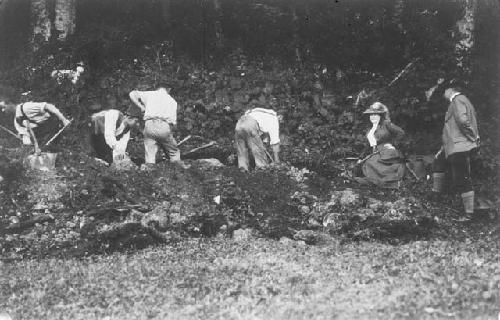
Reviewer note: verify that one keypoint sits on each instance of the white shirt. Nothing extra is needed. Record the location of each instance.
(36, 113)
(268, 123)
(454, 95)
(158, 104)
(371, 135)
(111, 131)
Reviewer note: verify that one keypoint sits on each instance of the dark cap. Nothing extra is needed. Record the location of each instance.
(133, 111)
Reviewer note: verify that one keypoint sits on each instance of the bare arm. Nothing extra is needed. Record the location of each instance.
(276, 151)
(136, 99)
(53, 110)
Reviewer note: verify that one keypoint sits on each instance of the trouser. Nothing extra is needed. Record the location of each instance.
(157, 133)
(99, 148)
(247, 138)
(459, 167)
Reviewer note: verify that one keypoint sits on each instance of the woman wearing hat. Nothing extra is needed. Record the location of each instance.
(384, 166)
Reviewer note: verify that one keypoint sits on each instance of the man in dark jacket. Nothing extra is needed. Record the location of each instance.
(460, 137)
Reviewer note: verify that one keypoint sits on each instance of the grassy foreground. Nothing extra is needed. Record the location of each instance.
(261, 279)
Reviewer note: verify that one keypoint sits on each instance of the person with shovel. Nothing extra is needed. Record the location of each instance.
(110, 133)
(460, 139)
(384, 166)
(250, 128)
(160, 114)
(30, 115)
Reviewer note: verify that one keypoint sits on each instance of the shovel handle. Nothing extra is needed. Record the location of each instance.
(58, 133)
(37, 147)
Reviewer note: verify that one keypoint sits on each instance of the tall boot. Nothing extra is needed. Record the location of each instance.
(468, 201)
(438, 181)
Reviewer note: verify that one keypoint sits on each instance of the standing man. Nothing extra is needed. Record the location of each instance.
(460, 138)
(110, 133)
(32, 114)
(160, 113)
(249, 129)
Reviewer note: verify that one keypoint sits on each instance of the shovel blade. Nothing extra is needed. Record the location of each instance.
(44, 161)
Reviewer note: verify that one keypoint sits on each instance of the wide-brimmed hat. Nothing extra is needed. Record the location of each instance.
(376, 108)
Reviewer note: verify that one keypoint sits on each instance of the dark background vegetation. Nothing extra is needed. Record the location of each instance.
(241, 52)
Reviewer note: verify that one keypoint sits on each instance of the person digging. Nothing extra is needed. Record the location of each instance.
(31, 115)
(160, 115)
(249, 130)
(110, 133)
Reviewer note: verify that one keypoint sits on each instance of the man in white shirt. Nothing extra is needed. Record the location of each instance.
(249, 129)
(32, 114)
(160, 113)
(110, 133)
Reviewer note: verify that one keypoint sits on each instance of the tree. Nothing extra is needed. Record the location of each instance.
(65, 18)
(41, 23)
(465, 27)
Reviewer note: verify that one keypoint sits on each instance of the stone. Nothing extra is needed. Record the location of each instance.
(159, 216)
(346, 198)
(308, 236)
(243, 234)
(286, 241)
(209, 163)
(375, 205)
(330, 220)
(313, 223)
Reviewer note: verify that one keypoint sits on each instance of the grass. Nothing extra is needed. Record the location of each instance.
(261, 279)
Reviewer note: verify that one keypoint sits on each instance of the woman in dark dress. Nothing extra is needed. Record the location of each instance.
(384, 167)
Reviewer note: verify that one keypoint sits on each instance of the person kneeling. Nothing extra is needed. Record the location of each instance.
(384, 167)
(110, 133)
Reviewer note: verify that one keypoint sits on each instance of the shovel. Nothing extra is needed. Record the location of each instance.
(44, 161)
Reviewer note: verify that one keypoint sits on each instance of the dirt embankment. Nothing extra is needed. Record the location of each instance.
(85, 207)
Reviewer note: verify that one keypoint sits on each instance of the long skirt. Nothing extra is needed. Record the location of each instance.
(385, 168)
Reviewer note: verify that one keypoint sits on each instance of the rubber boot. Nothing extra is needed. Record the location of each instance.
(438, 181)
(468, 201)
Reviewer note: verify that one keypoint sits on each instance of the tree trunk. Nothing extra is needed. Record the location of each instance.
(217, 24)
(65, 18)
(398, 11)
(465, 28)
(166, 12)
(41, 23)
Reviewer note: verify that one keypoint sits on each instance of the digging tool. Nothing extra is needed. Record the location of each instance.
(45, 161)
(10, 132)
(269, 155)
(362, 160)
(58, 133)
(211, 143)
(184, 140)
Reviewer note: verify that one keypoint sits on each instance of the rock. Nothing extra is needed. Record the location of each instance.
(243, 234)
(308, 236)
(286, 241)
(364, 213)
(313, 223)
(304, 209)
(159, 216)
(375, 205)
(347, 198)
(176, 218)
(123, 164)
(209, 163)
(330, 220)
